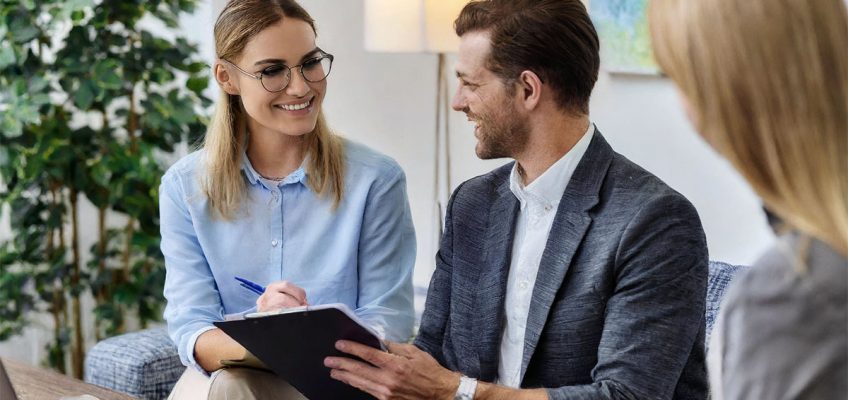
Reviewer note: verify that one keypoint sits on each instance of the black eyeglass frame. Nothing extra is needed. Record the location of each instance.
(288, 73)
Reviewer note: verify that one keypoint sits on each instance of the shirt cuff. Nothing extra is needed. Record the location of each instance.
(239, 315)
(192, 363)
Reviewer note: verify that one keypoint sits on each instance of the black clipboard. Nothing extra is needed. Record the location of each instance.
(293, 343)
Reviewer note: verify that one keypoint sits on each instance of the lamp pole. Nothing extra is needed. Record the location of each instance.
(442, 143)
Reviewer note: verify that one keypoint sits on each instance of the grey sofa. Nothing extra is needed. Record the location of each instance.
(146, 365)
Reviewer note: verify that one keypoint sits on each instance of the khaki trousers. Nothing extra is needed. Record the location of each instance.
(233, 383)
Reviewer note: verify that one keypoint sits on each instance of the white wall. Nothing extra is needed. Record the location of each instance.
(387, 101)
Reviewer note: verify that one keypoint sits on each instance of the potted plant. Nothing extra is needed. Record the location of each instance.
(91, 98)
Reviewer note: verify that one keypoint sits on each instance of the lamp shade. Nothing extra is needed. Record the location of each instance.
(408, 26)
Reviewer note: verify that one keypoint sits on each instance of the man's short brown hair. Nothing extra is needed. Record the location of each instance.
(553, 38)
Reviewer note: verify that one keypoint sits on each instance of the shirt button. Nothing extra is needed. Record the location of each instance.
(274, 243)
(275, 198)
(523, 285)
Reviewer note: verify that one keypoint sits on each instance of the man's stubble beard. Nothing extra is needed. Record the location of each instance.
(503, 133)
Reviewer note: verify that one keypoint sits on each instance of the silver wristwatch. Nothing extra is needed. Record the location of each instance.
(467, 387)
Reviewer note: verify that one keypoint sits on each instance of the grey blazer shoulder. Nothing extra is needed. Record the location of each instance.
(783, 330)
(618, 306)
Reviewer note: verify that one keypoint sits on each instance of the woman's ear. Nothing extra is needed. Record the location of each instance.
(225, 81)
(530, 89)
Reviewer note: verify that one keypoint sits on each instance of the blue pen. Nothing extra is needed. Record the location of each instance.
(253, 287)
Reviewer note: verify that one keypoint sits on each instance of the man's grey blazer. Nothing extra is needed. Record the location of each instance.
(618, 306)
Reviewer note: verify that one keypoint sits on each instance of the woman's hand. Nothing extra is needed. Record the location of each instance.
(281, 294)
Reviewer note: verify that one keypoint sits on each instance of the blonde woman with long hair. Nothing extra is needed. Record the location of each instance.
(766, 84)
(276, 198)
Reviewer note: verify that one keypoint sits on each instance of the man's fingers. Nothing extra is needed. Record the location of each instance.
(354, 366)
(357, 374)
(360, 383)
(402, 349)
(376, 357)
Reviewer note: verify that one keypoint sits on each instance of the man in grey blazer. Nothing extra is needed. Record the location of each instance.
(571, 273)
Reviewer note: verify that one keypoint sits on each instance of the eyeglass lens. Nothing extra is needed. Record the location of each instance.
(276, 78)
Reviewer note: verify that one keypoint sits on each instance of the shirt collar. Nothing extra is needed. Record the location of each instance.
(253, 177)
(547, 189)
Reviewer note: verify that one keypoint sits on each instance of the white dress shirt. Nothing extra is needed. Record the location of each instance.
(539, 202)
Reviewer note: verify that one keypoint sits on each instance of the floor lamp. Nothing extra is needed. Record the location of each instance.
(421, 26)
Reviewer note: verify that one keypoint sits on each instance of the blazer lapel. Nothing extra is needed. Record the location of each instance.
(489, 313)
(570, 225)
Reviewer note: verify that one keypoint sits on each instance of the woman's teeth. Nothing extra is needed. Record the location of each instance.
(294, 107)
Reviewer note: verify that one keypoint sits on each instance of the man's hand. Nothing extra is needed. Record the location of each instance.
(405, 372)
(281, 294)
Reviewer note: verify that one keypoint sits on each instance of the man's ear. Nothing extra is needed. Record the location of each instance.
(529, 87)
(225, 81)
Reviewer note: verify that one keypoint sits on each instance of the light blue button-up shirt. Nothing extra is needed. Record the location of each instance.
(361, 254)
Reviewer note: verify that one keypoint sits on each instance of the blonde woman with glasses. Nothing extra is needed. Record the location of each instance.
(766, 85)
(275, 198)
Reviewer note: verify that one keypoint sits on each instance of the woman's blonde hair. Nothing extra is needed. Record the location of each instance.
(226, 138)
(767, 82)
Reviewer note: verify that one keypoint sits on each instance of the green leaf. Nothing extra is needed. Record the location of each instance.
(197, 84)
(23, 31)
(77, 15)
(20, 87)
(28, 4)
(11, 126)
(40, 99)
(84, 96)
(106, 73)
(75, 9)
(28, 114)
(196, 67)
(37, 84)
(75, 5)
(7, 55)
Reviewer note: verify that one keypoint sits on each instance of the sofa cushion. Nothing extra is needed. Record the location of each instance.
(143, 364)
(720, 276)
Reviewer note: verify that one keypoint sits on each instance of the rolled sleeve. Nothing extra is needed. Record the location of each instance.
(187, 351)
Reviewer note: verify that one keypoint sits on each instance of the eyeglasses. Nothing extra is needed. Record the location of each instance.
(277, 77)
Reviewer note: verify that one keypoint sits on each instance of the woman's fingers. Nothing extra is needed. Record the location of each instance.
(281, 294)
(275, 301)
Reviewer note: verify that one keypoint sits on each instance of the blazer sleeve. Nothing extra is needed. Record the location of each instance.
(655, 313)
(434, 320)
